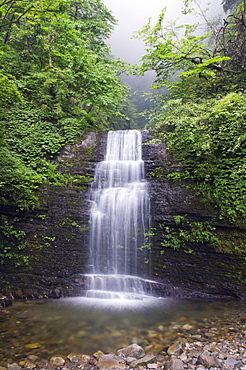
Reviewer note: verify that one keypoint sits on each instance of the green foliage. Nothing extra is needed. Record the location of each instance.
(195, 65)
(187, 234)
(56, 80)
(209, 139)
(12, 242)
(9, 93)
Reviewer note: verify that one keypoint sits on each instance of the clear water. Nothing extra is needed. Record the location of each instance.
(84, 325)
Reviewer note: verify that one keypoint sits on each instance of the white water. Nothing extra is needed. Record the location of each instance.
(120, 218)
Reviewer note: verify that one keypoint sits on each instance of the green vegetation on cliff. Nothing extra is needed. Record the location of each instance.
(203, 119)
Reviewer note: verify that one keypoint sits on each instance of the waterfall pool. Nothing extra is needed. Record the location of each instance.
(85, 325)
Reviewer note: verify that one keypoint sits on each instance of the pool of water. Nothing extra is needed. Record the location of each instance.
(84, 325)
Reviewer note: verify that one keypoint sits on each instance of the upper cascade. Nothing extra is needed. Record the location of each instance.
(120, 209)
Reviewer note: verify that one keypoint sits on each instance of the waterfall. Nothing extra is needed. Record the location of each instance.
(119, 219)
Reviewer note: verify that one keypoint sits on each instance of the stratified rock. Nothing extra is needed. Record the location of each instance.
(57, 361)
(111, 362)
(144, 361)
(134, 350)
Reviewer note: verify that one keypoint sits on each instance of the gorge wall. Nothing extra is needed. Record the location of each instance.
(57, 233)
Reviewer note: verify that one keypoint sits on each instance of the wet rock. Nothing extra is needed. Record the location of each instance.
(98, 354)
(55, 293)
(29, 364)
(5, 302)
(144, 361)
(57, 361)
(206, 360)
(111, 362)
(13, 366)
(175, 349)
(33, 345)
(32, 358)
(134, 350)
(77, 358)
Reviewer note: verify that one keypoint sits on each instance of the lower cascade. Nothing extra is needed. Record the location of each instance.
(119, 221)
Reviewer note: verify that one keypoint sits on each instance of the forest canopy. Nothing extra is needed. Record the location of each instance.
(56, 79)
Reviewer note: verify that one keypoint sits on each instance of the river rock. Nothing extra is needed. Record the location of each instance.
(77, 358)
(230, 364)
(111, 362)
(207, 360)
(134, 350)
(13, 366)
(98, 354)
(176, 364)
(175, 349)
(57, 361)
(144, 361)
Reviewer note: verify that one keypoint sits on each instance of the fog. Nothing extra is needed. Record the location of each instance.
(132, 15)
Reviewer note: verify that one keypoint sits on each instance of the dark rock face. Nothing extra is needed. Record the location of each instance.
(57, 233)
(205, 271)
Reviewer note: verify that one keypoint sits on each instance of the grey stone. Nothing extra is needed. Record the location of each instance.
(206, 360)
(111, 362)
(230, 364)
(148, 359)
(176, 364)
(134, 350)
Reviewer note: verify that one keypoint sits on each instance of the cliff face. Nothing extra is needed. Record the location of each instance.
(57, 233)
(198, 269)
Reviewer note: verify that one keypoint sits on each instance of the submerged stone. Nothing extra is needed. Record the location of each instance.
(134, 350)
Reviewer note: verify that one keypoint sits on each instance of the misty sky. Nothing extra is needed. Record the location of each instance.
(133, 14)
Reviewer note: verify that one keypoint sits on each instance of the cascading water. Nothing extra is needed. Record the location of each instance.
(120, 219)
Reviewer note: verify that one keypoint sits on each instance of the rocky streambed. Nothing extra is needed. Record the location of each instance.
(212, 342)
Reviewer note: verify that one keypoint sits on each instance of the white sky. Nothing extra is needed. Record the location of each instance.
(132, 15)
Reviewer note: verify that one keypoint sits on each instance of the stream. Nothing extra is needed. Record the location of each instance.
(84, 325)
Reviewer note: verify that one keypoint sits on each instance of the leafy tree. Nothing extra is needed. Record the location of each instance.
(54, 62)
(202, 120)
(211, 61)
